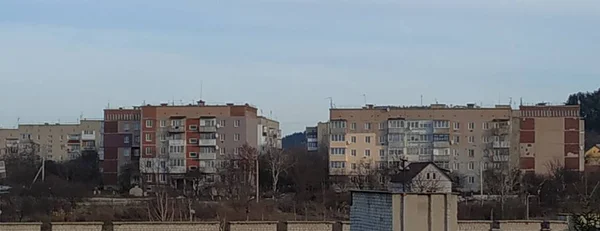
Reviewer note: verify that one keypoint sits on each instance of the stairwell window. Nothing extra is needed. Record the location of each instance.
(367, 139)
(148, 137)
(471, 165)
(163, 123)
(471, 153)
(456, 125)
(148, 123)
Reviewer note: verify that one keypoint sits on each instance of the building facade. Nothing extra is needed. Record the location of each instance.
(121, 143)
(57, 142)
(317, 137)
(551, 136)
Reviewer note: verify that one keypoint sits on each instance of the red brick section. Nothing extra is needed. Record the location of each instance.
(571, 148)
(572, 163)
(528, 124)
(527, 137)
(527, 163)
(572, 124)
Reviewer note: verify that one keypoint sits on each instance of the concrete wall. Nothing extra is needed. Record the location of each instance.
(253, 226)
(20, 226)
(79, 226)
(310, 225)
(345, 226)
(371, 211)
(162, 226)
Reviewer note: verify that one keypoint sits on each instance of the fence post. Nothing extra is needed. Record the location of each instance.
(495, 226)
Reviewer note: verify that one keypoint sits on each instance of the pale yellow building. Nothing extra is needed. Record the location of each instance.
(58, 142)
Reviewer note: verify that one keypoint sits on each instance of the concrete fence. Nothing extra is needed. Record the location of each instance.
(163, 226)
(517, 225)
(512, 225)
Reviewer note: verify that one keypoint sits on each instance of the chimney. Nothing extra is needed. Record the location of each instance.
(201, 103)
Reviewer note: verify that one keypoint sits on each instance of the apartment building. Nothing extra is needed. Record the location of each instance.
(551, 136)
(317, 136)
(179, 139)
(57, 142)
(121, 143)
(464, 139)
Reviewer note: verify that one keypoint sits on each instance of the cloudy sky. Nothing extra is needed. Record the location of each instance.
(63, 58)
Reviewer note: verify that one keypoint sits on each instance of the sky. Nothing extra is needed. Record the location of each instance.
(62, 59)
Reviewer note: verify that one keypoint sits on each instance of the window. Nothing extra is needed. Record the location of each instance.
(471, 165)
(353, 165)
(367, 152)
(222, 151)
(338, 151)
(222, 137)
(338, 124)
(471, 126)
(163, 123)
(237, 123)
(367, 139)
(382, 125)
(441, 137)
(353, 126)
(395, 152)
(193, 141)
(163, 178)
(353, 151)
(148, 123)
(193, 154)
(472, 179)
(396, 123)
(338, 137)
(382, 139)
(486, 125)
(236, 151)
(126, 152)
(38, 137)
(456, 125)
(163, 150)
(163, 137)
(222, 123)
(440, 124)
(456, 166)
(193, 127)
(62, 137)
(471, 139)
(148, 137)
(485, 139)
(126, 139)
(149, 178)
(148, 164)
(337, 164)
(368, 126)
(381, 152)
(455, 152)
(176, 149)
(485, 165)
(456, 139)
(353, 139)
(471, 153)
(148, 150)
(236, 137)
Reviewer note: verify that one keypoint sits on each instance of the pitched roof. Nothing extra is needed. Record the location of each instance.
(413, 169)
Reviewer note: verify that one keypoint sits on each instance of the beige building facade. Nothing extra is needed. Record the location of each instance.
(58, 142)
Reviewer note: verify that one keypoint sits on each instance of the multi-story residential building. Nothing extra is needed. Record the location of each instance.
(179, 139)
(551, 136)
(58, 142)
(121, 143)
(317, 137)
(463, 139)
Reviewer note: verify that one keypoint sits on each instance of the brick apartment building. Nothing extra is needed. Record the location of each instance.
(56, 141)
(551, 136)
(121, 142)
(463, 139)
(169, 141)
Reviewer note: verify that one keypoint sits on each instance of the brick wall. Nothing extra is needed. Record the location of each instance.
(309, 225)
(252, 226)
(20, 226)
(162, 226)
(79, 226)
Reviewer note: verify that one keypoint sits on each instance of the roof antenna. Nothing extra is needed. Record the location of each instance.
(365, 98)
(521, 103)
(330, 102)
(421, 100)
(201, 88)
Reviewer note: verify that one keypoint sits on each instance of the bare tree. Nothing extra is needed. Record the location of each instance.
(279, 161)
(420, 183)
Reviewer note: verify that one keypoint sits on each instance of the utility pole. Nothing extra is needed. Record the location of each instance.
(257, 181)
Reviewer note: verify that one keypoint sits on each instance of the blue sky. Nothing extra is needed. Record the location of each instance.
(63, 58)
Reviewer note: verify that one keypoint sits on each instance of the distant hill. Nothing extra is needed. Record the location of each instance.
(294, 140)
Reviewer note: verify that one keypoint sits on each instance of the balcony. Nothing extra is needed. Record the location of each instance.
(500, 158)
(87, 136)
(176, 142)
(425, 158)
(207, 129)
(207, 156)
(441, 130)
(441, 158)
(89, 148)
(396, 144)
(207, 142)
(504, 130)
(337, 171)
(396, 130)
(177, 169)
(501, 144)
(74, 137)
(441, 144)
(177, 129)
(207, 169)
